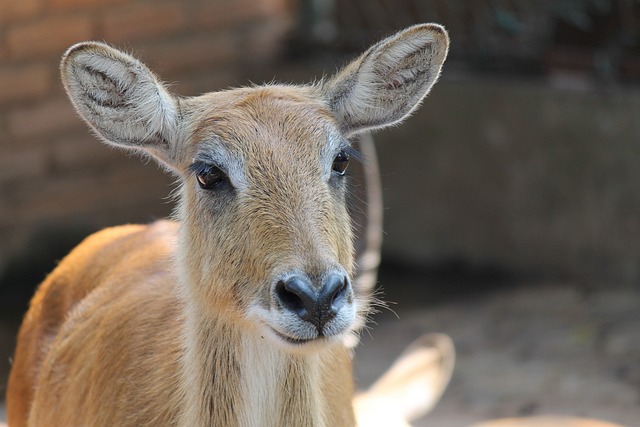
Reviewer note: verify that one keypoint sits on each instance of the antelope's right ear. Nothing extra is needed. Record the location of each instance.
(121, 99)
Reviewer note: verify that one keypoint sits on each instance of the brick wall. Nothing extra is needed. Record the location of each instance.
(53, 173)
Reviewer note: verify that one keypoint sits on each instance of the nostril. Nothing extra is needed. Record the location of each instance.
(297, 296)
(341, 293)
(334, 293)
(288, 299)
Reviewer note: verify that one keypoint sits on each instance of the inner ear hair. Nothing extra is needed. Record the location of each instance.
(120, 98)
(389, 80)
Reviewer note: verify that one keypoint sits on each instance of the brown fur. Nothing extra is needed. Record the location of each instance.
(165, 324)
(175, 323)
(87, 293)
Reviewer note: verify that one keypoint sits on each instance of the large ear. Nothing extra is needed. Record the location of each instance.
(386, 83)
(121, 99)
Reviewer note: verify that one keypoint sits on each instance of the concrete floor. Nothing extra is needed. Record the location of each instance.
(538, 349)
(543, 348)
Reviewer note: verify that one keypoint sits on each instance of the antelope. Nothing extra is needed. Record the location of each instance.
(241, 311)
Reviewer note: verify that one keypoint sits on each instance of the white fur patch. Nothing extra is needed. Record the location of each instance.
(263, 368)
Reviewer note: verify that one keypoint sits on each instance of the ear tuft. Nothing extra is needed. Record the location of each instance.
(119, 97)
(389, 80)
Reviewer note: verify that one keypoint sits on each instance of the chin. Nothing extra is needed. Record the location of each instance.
(298, 337)
(302, 345)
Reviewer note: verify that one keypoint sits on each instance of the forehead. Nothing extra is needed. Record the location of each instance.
(271, 117)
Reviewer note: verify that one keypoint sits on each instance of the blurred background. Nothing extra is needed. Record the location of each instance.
(512, 197)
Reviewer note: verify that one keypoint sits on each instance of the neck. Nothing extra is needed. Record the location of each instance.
(234, 377)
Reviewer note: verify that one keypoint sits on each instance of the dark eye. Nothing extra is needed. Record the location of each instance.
(210, 176)
(341, 163)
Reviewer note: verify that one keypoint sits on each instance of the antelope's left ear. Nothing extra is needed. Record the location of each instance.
(386, 83)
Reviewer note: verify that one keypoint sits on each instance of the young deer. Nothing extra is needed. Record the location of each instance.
(238, 313)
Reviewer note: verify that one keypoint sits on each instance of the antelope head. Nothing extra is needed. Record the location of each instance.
(265, 238)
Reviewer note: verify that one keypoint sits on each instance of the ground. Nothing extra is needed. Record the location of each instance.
(537, 348)
(534, 348)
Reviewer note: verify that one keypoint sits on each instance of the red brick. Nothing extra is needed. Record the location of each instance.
(77, 4)
(54, 197)
(264, 41)
(227, 13)
(81, 152)
(27, 161)
(3, 128)
(194, 53)
(3, 51)
(14, 10)
(143, 21)
(206, 80)
(279, 7)
(42, 119)
(48, 36)
(25, 82)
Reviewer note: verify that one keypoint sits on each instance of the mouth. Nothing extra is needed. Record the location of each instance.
(295, 341)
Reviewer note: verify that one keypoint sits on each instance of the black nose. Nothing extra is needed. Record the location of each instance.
(298, 295)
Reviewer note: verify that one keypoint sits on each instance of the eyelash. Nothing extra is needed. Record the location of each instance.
(353, 153)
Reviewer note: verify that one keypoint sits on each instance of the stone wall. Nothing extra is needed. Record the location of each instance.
(520, 176)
